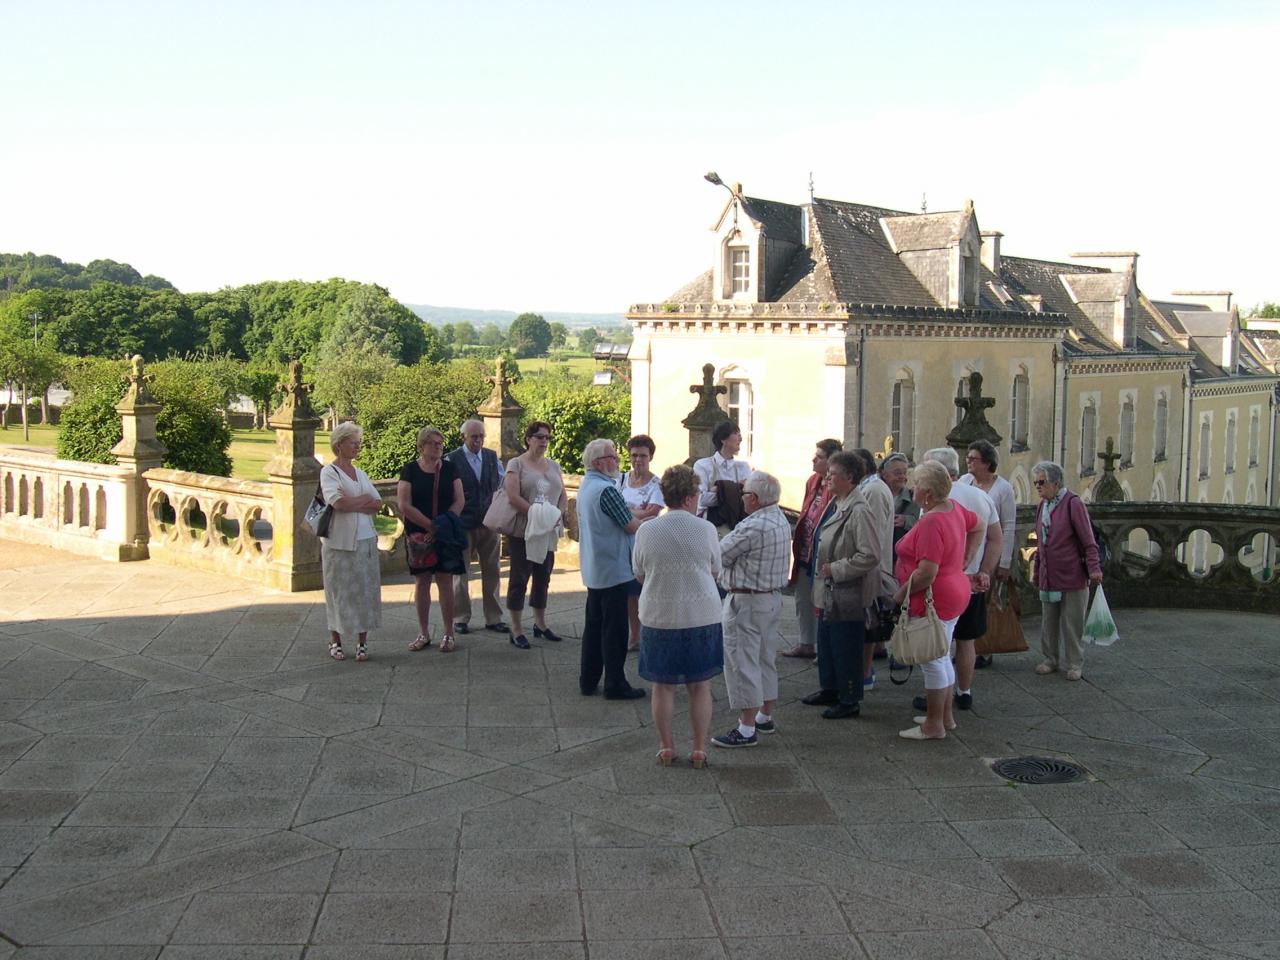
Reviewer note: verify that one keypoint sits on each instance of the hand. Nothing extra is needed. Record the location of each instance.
(1002, 573)
(899, 520)
(648, 511)
(1095, 579)
(979, 583)
(825, 571)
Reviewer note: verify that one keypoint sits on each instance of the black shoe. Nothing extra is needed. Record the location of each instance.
(920, 703)
(840, 711)
(548, 633)
(461, 628)
(981, 663)
(734, 738)
(498, 627)
(631, 693)
(821, 698)
(964, 701)
(521, 641)
(589, 693)
(767, 726)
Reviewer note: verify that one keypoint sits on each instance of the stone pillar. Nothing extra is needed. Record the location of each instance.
(140, 451)
(501, 415)
(703, 417)
(293, 473)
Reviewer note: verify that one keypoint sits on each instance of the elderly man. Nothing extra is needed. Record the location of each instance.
(481, 472)
(754, 557)
(973, 622)
(817, 492)
(605, 529)
(722, 477)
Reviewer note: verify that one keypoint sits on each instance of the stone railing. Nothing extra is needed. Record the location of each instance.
(210, 523)
(1222, 556)
(85, 508)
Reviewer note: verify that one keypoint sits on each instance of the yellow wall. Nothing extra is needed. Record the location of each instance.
(1245, 484)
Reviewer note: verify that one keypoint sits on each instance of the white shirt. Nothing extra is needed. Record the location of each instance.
(713, 468)
(1006, 502)
(347, 527)
(650, 492)
(976, 501)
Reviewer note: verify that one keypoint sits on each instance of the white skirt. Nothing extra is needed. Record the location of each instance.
(352, 587)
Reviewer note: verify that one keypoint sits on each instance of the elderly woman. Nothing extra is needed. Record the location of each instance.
(428, 494)
(817, 493)
(349, 554)
(845, 586)
(639, 489)
(933, 555)
(677, 559)
(1065, 564)
(531, 479)
(981, 461)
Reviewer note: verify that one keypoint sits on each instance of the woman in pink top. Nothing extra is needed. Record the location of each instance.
(933, 555)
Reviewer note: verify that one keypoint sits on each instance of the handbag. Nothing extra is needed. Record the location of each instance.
(318, 515)
(1004, 624)
(420, 546)
(921, 639)
(501, 515)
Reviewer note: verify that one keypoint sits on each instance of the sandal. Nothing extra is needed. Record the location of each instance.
(446, 643)
(335, 650)
(420, 642)
(665, 756)
(362, 652)
(698, 758)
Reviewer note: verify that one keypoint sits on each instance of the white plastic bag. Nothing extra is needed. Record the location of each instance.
(1099, 625)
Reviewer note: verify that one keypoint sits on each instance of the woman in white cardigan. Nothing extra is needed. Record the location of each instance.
(352, 579)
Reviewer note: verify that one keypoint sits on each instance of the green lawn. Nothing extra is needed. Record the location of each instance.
(42, 436)
(584, 366)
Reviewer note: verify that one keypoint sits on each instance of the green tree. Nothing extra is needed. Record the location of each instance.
(491, 336)
(559, 335)
(587, 339)
(579, 412)
(343, 374)
(1267, 311)
(258, 381)
(464, 334)
(529, 335)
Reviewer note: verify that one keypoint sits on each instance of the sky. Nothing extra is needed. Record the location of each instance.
(550, 156)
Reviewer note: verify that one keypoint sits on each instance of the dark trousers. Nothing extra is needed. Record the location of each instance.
(840, 657)
(604, 640)
(521, 569)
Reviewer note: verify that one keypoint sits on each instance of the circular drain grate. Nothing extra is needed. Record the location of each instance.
(1038, 770)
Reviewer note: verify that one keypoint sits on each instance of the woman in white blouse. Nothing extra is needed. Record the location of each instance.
(639, 489)
(352, 578)
(981, 462)
(677, 560)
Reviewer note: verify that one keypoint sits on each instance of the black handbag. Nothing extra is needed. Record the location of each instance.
(319, 515)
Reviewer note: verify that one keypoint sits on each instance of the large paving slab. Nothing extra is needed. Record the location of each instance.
(185, 774)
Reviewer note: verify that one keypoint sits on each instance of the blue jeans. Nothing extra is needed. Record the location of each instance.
(840, 657)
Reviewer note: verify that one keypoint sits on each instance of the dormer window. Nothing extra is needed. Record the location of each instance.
(739, 271)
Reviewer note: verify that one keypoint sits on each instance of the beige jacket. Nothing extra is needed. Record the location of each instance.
(847, 542)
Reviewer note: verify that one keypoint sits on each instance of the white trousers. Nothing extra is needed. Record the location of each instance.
(751, 647)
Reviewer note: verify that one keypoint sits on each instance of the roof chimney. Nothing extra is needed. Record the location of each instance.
(991, 250)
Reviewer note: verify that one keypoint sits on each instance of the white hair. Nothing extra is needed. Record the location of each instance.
(947, 457)
(594, 450)
(344, 432)
(1049, 470)
(765, 486)
(462, 430)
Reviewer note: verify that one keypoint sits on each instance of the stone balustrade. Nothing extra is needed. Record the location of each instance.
(84, 508)
(1223, 556)
(210, 523)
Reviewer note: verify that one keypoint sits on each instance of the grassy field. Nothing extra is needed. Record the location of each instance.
(584, 366)
(42, 437)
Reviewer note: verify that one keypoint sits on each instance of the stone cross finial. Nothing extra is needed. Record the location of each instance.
(500, 396)
(297, 395)
(974, 426)
(703, 417)
(1107, 489)
(138, 393)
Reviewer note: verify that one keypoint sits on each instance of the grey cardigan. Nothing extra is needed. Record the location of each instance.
(847, 542)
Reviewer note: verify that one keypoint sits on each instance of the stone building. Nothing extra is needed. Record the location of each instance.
(841, 319)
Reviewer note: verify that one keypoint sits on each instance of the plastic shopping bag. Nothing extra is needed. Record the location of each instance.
(1099, 626)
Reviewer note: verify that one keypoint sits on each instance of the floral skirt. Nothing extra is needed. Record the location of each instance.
(686, 655)
(352, 588)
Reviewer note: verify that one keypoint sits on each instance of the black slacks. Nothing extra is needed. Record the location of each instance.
(604, 640)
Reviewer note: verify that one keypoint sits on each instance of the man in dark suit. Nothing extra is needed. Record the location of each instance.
(481, 472)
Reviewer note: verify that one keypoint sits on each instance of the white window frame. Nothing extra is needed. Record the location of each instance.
(735, 408)
(1205, 451)
(1020, 411)
(1255, 426)
(1229, 445)
(738, 268)
(902, 410)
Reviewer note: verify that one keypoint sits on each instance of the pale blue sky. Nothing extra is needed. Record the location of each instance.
(550, 156)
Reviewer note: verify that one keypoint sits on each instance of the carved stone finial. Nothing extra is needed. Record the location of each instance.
(705, 415)
(1107, 489)
(974, 426)
(137, 393)
(500, 396)
(297, 395)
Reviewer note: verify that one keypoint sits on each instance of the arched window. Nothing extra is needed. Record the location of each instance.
(1229, 452)
(1203, 472)
(1253, 438)
(1020, 411)
(741, 409)
(1088, 439)
(1162, 427)
(1126, 432)
(902, 416)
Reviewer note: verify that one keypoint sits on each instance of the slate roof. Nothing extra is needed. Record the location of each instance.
(925, 231)
(1204, 323)
(1022, 275)
(781, 221)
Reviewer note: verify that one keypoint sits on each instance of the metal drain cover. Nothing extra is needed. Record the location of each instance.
(1038, 770)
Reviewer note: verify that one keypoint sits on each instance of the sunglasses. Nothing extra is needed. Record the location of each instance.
(1039, 483)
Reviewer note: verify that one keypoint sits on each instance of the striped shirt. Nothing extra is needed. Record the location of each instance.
(614, 507)
(756, 554)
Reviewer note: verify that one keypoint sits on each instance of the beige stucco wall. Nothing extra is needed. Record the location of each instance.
(1244, 483)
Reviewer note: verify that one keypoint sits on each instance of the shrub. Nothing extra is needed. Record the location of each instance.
(578, 413)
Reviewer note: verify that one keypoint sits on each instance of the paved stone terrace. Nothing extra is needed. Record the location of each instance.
(184, 774)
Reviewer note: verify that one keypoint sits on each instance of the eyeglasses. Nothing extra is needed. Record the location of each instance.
(750, 493)
(1039, 483)
(540, 436)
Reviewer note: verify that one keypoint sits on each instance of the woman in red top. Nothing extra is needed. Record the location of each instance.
(933, 555)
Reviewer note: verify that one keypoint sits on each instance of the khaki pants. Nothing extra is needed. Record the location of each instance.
(1064, 621)
(751, 647)
(482, 542)
(808, 636)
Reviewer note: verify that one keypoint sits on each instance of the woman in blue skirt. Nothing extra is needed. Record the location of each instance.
(677, 560)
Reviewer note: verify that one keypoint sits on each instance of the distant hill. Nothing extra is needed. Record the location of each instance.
(438, 316)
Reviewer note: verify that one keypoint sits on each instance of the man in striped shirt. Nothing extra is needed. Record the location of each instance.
(756, 558)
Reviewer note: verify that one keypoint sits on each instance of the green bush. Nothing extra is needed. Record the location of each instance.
(578, 413)
(410, 398)
(190, 423)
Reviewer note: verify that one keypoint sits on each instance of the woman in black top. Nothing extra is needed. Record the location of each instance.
(420, 504)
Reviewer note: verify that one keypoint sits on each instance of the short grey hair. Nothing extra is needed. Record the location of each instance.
(344, 432)
(426, 432)
(947, 457)
(765, 486)
(1052, 471)
(596, 449)
(462, 430)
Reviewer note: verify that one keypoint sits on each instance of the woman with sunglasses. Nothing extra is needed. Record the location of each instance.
(531, 479)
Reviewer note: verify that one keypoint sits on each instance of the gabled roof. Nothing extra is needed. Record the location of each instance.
(781, 221)
(1024, 276)
(1205, 323)
(1097, 287)
(926, 231)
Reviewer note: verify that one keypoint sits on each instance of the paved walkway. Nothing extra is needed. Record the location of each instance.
(184, 774)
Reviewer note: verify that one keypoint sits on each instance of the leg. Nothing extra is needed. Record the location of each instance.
(846, 648)
(1074, 604)
(699, 712)
(541, 587)
(592, 664)
(422, 602)
(461, 592)
(770, 615)
(633, 623)
(826, 666)
(742, 656)
(971, 625)
(444, 582)
(517, 583)
(613, 639)
(1050, 627)
(486, 547)
(937, 690)
(806, 638)
(664, 697)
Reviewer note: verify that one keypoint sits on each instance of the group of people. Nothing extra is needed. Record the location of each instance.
(697, 589)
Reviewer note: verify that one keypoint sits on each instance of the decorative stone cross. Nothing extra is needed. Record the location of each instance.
(1107, 488)
(501, 414)
(974, 426)
(297, 395)
(500, 396)
(138, 393)
(703, 417)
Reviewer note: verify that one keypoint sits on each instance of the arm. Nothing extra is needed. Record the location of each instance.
(706, 489)
(334, 493)
(512, 484)
(563, 502)
(864, 559)
(615, 508)
(735, 544)
(921, 579)
(993, 541)
(459, 498)
(1008, 518)
(404, 500)
(1083, 528)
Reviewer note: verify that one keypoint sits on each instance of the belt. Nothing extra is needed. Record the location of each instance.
(745, 590)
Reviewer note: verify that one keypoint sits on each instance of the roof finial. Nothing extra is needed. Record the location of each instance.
(811, 186)
(924, 203)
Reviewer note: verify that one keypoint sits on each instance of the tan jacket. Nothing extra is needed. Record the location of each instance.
(846, 541)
